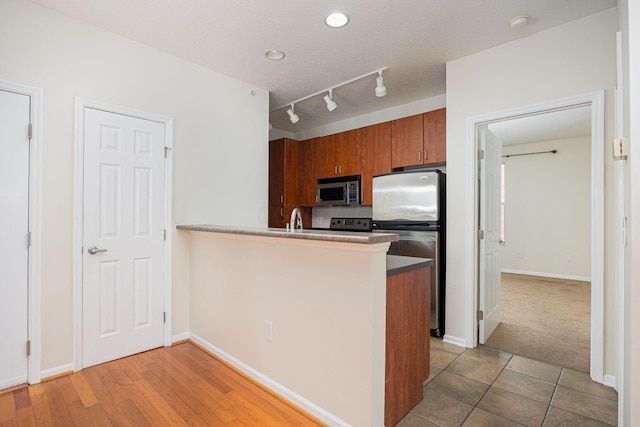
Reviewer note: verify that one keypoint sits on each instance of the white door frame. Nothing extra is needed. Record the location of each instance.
(80, 105)
(596, 101)
(34, 274)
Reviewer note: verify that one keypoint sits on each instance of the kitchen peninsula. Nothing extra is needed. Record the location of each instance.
(302, 312)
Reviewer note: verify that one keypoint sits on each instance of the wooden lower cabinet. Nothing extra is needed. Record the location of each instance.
(407, 342)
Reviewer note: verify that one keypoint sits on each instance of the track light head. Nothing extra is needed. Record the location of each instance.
(331, 104)
(381, 89)
(292, 115)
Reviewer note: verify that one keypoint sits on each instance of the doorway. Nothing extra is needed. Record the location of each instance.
(20, 171)
(595, 102)
(545, 234)
(122, 199)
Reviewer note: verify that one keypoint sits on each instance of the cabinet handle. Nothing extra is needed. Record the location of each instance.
(339, 169)
(419, 156)
(426, 155)
(282, 212)
(282, 198)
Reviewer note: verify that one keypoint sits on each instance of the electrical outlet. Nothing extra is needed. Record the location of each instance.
(519, 254)
(569, 258)
(268, 330)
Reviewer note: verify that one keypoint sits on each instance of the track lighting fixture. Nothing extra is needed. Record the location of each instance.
(292, 115)
(381, 89)
(331, 104)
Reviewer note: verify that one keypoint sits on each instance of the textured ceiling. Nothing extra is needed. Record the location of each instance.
(414, 38)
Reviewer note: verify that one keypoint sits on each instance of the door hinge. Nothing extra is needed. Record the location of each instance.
(480, 234)
(166, 151)
(480, 315)
(480, 154)
(29, 131)
(165, 234)
(29, 239)
(28, 348)
(164, 317)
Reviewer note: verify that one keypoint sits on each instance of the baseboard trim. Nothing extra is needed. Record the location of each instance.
(460, 342)
(272, 386)
(610, 381)
(58, 371)
(185, 336)
(550, 275)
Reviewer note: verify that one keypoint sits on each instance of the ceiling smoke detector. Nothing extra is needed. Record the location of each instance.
(519, 21)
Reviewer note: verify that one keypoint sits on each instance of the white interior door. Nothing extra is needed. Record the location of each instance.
(14, 228)
(123, 236)
(490, 280)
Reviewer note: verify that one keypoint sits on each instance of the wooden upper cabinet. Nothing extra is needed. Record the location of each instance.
(435, 136)
(407, 141)
(309, 168)
(336, 155)
(325, 153)
(376, 156)
(349, 153)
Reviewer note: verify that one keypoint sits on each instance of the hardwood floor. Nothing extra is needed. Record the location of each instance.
(173, 386)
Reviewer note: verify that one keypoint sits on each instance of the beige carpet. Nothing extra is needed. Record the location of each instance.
(545, 319)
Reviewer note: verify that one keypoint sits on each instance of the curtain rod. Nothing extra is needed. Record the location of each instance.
(527, 154)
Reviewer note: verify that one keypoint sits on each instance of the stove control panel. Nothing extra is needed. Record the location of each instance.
(351, 224)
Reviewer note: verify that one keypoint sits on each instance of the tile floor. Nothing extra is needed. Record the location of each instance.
(486, 387)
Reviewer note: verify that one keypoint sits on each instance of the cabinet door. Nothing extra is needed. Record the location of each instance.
(435, 136)
(276, 216)
(292, 168)
(349, 152)
(376, 156)
(406, 141)
(307, 172)
(276, 171)
(326, 156)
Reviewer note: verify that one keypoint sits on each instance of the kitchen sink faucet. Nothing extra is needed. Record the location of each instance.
(296, 220)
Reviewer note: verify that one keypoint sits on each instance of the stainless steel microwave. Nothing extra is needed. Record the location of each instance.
(339, 191)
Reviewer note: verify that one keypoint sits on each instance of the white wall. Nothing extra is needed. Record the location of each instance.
(326, 302)
(548, 209)
(220, 134)
(573, 59)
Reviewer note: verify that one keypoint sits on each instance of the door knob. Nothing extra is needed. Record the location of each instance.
(92, 250)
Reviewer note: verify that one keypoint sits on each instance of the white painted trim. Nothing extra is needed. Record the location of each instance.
(80, 105)
(58, 370)
(550, 275)
(274, 386)
(180, 337)
(619, 253)
(34, 316)
(460, 342)
(596, 101)
(610, 381)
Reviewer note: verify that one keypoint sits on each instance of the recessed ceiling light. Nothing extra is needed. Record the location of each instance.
(337, 20)
(519, 21)
(274, 54)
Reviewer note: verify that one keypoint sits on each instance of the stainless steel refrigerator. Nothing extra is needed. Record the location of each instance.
(412, 204)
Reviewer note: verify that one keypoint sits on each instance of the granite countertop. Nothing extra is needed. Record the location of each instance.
(323, 235)
(402, 264)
